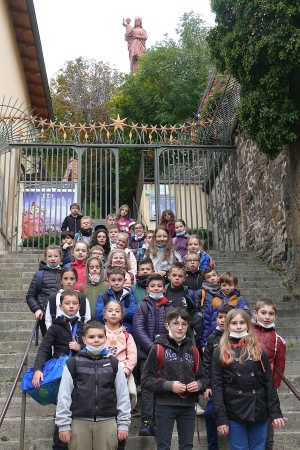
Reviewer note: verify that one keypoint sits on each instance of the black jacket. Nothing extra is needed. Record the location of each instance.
(178, 364)
(71, 223)
(243, 392)
(50, 284)
(58, 335)
(194, 280)
(212, 343)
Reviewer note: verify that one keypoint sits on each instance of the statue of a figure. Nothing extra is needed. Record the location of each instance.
(136, 38)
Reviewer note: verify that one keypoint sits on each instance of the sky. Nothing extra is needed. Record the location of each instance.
(93, 28)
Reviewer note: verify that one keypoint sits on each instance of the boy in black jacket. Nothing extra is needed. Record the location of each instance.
(176, 377)
(72, 221)
(64, 335)
(212, 342)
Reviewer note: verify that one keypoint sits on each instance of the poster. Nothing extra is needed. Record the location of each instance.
(165, 203)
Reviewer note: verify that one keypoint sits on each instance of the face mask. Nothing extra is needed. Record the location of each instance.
(94, 279)
(238, 335)
(95, 350)
(156, 296)
(182, 233)
(160, 245)
(67, 315)
(51, 267)
(175, 339)
(271, 325)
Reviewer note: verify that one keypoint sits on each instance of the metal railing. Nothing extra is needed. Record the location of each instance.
(287, 382)
(13, 388)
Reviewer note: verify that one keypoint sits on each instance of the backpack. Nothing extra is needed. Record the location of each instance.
(82, 310)
(38, 282)
(160, 353)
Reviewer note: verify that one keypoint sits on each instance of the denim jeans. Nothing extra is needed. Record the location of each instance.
(185, 419)
(148, 401)
(211, 427)
(247, 435)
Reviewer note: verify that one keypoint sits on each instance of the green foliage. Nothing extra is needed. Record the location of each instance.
(258, 43)
(4, 438)
(171, 78)
(42, 241)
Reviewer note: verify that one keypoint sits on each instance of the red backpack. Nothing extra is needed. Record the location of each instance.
(160, 353)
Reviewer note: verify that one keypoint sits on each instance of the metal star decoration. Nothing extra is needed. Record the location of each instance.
(118, 123)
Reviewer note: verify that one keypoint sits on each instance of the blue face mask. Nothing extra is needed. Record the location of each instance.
(95, 350)
(51, 267)
(67, 315)
(155, 295)
(160, 245)
(182, 233)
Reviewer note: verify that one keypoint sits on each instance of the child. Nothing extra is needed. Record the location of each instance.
(210, 288)
(194, 276)
(93, 422)
(228, 294)
(85, 232)
(244, 394)
(148, 322)
(94, 284)
(100, 237)
(265, 314)
(67, 241)
(49, 280)
(136, 241)
(148, 238)
(181, 237)
(64, 335)
(68, 279)
(97, 251)
(116, 291)
(162, 251)
(145, 269)
(195, 244)
(124, 219)
(113, 231)
(72, 222)
(126, 24)
(212, 343)
(168, 220)
(176, 383)
(111, 219)
(122, 244)
(80, 254)
(118, 258)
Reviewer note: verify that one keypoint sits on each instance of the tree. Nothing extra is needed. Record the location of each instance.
(258, 43)
(171, 77)
(82, 89)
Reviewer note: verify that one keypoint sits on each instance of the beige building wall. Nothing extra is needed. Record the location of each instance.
(12, 85)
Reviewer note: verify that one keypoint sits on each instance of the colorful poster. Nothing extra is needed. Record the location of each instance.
(45, 207)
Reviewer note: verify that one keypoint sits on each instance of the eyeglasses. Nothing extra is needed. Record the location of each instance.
(97, 254)
(192, 260)
(177, 325)
(139, 228)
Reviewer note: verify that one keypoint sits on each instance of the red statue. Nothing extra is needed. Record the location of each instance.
(136, 38)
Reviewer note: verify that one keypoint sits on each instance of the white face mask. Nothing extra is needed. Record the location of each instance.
(271, 325)
(95, 350)
(178, 341)
(238, 335)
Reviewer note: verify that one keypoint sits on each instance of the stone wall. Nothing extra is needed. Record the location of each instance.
(261, 209)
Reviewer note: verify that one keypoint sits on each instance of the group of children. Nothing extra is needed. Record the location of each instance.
(153, 325)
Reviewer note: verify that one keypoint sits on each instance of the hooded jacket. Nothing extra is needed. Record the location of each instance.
(122, 347)
(128, 302)
(178, 364)
(72, 223)
(50, 284)
(92, 291)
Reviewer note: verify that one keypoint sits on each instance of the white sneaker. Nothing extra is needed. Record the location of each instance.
(199, 410)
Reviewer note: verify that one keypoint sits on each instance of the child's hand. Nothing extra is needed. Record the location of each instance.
(161, 272)
(65, 246)
(122, 435)
(178, 387)
(223, 429)
(202, 349)
(38, 314)
(38, 375)
(278, 423)
(207, 394)
(65, 436)
(74, 345)
(193, 386)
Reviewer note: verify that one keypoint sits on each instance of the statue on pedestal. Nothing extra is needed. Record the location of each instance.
(136, 40)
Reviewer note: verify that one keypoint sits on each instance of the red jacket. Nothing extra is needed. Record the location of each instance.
(275, 348)
(81, 272)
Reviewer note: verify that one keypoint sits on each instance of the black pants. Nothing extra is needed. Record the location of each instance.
(57, 443)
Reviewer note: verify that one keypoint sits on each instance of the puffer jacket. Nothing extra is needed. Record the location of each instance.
(128, 302)
(50, 284)
(177, 365)
(145, 329)
(210, 318)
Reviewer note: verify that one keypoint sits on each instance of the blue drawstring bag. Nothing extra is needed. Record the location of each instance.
(47, 393)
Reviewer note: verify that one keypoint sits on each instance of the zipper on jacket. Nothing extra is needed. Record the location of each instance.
(96, 390)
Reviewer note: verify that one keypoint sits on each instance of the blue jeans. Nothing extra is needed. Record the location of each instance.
(211, 427)
(148, 401)
(165, 419)
(247, 435)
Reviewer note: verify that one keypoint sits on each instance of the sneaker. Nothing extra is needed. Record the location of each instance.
(199, 411)
(147, 429)
(135, 413)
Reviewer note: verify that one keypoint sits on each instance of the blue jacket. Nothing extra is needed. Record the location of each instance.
(128, 302)
(147, 327)
(210, 318)
(204, 260)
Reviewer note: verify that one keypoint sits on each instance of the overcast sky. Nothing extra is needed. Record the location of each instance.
(93, 28)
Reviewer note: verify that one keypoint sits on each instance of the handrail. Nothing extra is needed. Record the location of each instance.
(13, 388)
(288, 383)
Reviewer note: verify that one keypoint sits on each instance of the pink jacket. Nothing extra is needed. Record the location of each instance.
(81, 272)
(124, 350)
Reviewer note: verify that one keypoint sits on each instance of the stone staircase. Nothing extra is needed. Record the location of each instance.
(16, 322)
